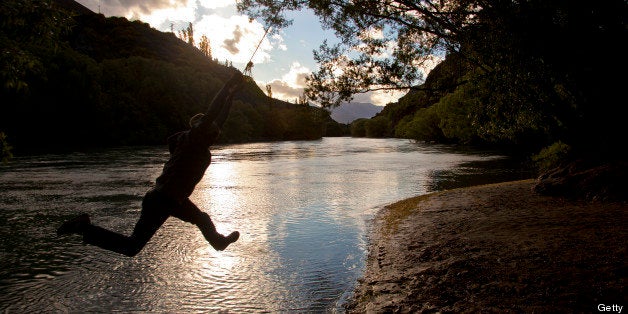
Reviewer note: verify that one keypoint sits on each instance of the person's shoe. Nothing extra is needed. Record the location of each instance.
(224, 242)
(74, 225)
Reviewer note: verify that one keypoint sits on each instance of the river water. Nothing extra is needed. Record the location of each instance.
(302, 208)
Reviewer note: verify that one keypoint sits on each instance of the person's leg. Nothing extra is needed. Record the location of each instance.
(189, 212)
(152, 217)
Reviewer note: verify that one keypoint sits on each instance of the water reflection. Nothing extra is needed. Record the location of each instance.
(302, 209)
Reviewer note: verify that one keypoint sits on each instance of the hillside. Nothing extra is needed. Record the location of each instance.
(393, 120)
(109, 81)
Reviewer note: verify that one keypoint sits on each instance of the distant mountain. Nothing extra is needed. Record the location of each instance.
(348, 112)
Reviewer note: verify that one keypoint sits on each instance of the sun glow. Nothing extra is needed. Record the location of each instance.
(217, 195)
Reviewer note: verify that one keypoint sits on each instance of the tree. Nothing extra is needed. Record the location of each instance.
(187, 34)
(301, 100)
(534, 56)
(5, 148)
(27, 29)
(393, 39)
(269, 90)
(25, 24)
(204, 46)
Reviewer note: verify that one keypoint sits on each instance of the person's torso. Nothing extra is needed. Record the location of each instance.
(189, 159)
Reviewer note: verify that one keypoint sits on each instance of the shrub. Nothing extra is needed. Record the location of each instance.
(552, 156)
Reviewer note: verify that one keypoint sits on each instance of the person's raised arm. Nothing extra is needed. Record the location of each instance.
(219, 107)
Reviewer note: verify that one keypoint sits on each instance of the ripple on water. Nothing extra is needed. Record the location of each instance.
(302, 209)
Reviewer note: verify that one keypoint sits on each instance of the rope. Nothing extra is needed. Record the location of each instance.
(249, 66)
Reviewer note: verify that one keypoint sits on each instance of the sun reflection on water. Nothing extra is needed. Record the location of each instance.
(302, 209)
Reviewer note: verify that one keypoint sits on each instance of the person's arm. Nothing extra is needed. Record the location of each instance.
(224, 111)
(219, 108)
(208, 128)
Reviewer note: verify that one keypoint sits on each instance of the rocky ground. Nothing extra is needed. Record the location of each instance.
(495, 248)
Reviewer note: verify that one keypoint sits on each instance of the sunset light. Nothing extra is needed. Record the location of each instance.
(279, 156)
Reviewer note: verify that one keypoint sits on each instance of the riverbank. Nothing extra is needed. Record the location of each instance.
(495, 248)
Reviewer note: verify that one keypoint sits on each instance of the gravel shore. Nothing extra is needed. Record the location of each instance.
(495, 248)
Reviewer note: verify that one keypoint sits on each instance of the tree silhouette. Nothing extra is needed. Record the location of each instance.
(187, 34)
(204, 46)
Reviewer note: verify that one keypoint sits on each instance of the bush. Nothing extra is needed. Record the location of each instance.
(358, 128)
(377, 127)
(5, 148)
(552, 156)
(424, 126)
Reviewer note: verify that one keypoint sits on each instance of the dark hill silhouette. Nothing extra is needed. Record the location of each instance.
(73, 6)
(110, 81)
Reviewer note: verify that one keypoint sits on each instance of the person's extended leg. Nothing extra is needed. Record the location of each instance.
(189, 212)
(152, 217)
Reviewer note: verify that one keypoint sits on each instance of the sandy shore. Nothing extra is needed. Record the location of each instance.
(495, 248)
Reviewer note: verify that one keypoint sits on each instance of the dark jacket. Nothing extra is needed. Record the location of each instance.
(189, 159)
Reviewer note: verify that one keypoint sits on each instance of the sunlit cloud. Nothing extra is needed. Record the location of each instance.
(128, 8)
(291, 84)
(277, 41)
(381, 98)
(234, 38)
(231, 43)
(172, 15)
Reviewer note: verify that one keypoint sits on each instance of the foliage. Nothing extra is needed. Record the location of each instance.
(5, 148)
(27, 25)
(424, 126)
(455, 114)
(378, 126)
(187, 35)
(414, 31)
(358, 127)
(530, 65)
(205, 47)
(552, 156)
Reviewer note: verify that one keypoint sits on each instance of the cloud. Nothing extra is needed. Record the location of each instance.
(232, 36)
(231, 44)
(291, 84)
(277, 41)
(282, 90)
(382, 98)
(129, 8)
(142, 8)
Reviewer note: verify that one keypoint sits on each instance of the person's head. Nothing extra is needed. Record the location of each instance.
(212, 129)
(196, 120)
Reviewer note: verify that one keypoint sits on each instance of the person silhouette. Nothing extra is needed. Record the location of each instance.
(189, 159)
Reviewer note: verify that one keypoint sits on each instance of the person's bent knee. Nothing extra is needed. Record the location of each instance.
(132, 252)
(133, 249)
(200, 219)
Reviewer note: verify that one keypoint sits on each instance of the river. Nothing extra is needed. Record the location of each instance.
(302, 208)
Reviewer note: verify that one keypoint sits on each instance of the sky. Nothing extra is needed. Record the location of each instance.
(283, 60)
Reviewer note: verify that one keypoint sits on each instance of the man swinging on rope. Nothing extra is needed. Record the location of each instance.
(189, 158)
